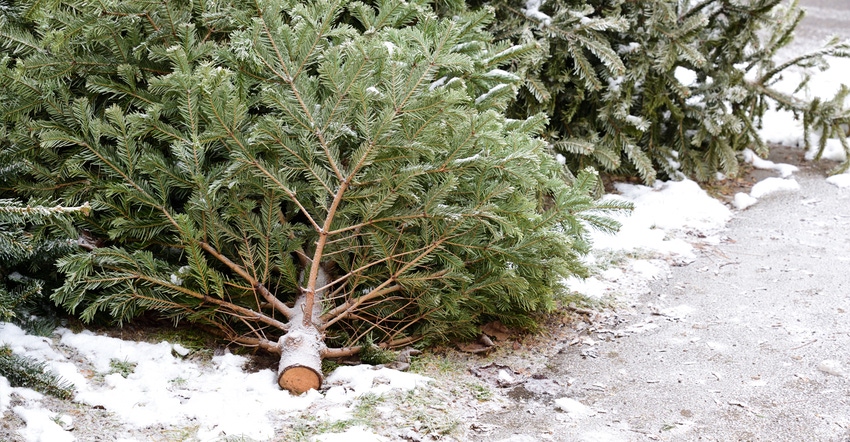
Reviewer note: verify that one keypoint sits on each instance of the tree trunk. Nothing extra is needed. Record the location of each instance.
(303, 344)
(300, 359)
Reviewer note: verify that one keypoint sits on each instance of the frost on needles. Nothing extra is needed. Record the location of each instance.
(607, 75)
(301, 177)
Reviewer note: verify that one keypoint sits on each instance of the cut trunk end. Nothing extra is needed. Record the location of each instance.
(297, 379)
(300, 360)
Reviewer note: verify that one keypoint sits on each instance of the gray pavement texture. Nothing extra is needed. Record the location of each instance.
(755, 349)
(758, 347)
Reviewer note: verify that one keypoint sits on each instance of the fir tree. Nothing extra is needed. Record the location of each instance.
(32, 237)
(302, 177)
(607, 76)
(26, 372)
(26, 254)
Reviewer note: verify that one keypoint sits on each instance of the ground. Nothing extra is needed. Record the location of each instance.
(747, 342)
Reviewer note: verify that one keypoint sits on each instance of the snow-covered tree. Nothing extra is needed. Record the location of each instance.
(302, 177)
(655, 87)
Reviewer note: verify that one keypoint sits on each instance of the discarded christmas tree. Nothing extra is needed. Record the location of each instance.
(302, 177)
(661, 88)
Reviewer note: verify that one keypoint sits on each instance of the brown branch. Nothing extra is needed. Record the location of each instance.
(377, 323)
(257, 285)
(246, 312)
(336, 314)
(342, 310)
(350, 351)
(379, 220)
(265, 344)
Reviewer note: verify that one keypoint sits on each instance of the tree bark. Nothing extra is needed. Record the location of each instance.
(300, 366)
(303, 345)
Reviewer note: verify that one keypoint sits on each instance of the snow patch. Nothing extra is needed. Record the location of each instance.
(591, 287)
(831, 367)
(390, 47)
(562, 160)
(833, 151)
(532, 11)
(685, 76)
(678, 312)
(354, 381)
(647, 269)
(742, 201)
(502, 75)
(41, 426)
(373, 91)
(660, 212)
(771, 185)
(573, 407)
(785, 170)
(485, 96)
(842, 180)
(161, 388)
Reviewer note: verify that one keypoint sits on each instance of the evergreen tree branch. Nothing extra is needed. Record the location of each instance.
(235, 309)
(255, 284)
(289, 78)
(341, 311)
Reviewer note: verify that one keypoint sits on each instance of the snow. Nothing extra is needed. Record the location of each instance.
(743, 200)
(439, 82)
(591, 287)
(532, 11)
(355, 381)
(772, 185)
(785, 170)
(485, 96)
(667, 206)
(5, 395)
(390, 47)
(686, 76)
(41, 427)
(502, 75)
(561, 159)
(638, 122)
(842, 180)
(460, 161)
(782, 127)
(162, 388)
(831, 366)
(573, 407)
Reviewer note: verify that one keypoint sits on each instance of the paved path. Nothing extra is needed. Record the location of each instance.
(755, 345)
(756, 342)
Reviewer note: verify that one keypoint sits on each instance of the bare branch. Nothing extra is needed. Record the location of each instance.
(350, 351)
